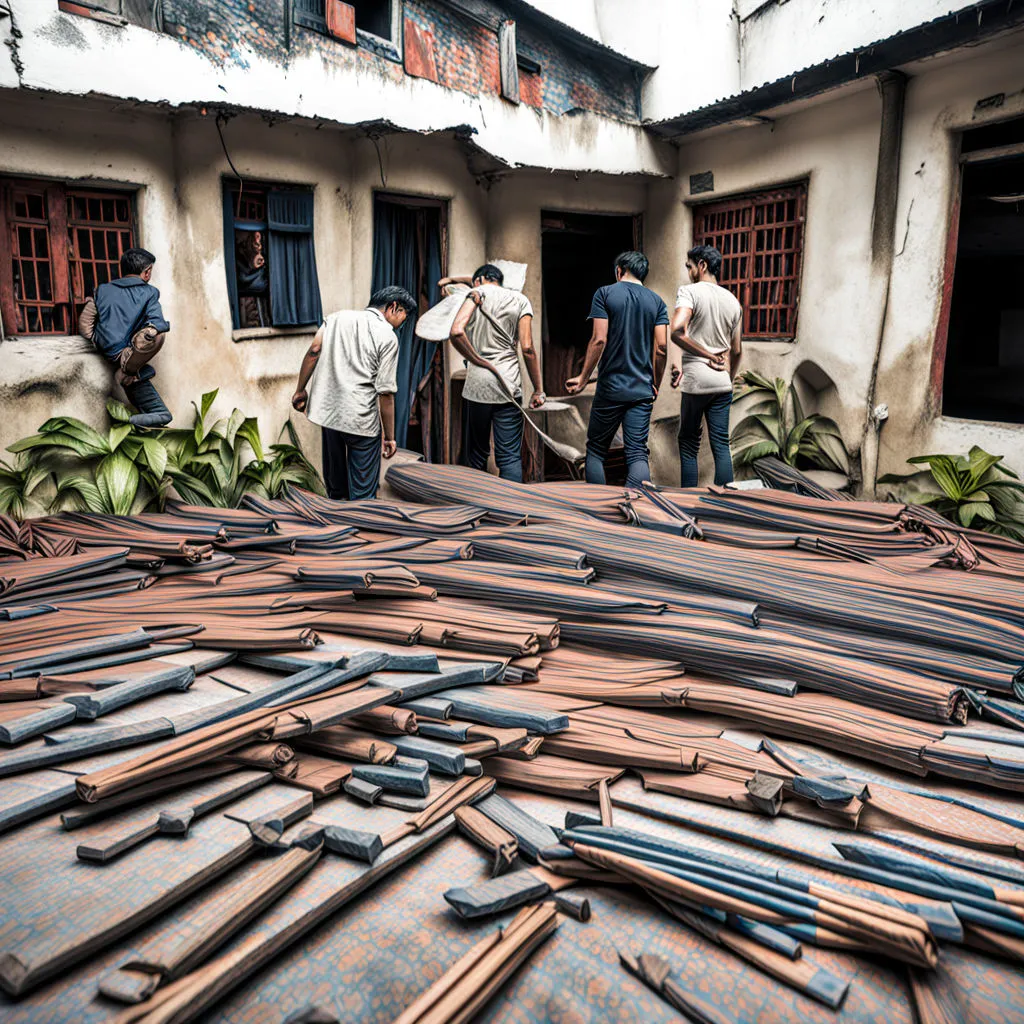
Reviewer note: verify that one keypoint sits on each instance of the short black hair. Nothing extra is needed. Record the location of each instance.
(710, 255)
(392, 295)
(489, 272)
(135, 261)
(633, 262)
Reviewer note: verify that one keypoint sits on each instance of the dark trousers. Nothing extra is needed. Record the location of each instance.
(145, 397)
(605, 418)
(714, 409)
(505, 421)
(351, 465)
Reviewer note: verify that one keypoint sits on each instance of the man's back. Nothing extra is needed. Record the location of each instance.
(716, 314)
(626, 370)
(123, 307)
(506, 307)
(358, 361)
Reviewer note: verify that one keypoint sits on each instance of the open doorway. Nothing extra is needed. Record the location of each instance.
(984, 365)
(410, 250)
(578, 253)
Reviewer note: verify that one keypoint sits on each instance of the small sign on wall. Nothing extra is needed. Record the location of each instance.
(703, 182)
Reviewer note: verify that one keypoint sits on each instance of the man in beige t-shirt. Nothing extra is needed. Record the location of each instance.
(708, 328)
(492, 325)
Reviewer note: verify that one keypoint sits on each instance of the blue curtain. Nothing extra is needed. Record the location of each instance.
(294, 287)
(406, 245)
(229, 255)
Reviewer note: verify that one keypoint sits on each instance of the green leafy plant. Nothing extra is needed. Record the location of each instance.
(120, 472)
(776, 425)
(218, 464)
(287, 465)
(974, 490)
(18, 483)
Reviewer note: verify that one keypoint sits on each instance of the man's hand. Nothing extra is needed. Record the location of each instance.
(573, 385)
(717, 361)
(538, 399)
(388, 448)
(677, 376)
(300, 399)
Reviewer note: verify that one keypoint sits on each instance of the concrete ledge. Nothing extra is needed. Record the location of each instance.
(263, 333)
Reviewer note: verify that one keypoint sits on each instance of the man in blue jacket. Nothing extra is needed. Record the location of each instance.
(127, 325)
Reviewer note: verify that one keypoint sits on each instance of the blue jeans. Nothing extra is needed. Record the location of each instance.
(605, 417)
(505, 421)
(351, 465)
(145, 397)
(715, 409)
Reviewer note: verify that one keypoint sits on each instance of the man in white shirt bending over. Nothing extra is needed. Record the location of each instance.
(708, 327)
(350, 371)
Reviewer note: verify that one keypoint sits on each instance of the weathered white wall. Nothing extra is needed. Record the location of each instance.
(78, 56)
(939, 102)
(779, 38)
(833, 143)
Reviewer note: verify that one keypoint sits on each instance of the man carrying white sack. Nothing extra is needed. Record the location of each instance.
(491, 325)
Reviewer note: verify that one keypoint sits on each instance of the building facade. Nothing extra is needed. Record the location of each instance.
(866, 165)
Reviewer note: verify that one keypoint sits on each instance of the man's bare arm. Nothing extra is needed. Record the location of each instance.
(309, 361)
(531, 360)
(681, 338)
(595, 349)
(736, 349)
(387, 419)
(460, 340)
(660, 354)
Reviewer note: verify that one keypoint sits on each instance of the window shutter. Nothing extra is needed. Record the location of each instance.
(57, 215)
(508, 61)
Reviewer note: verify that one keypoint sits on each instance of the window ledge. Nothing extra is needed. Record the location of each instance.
(68, 7)
(69, 344)
(265, 333)
(378, 45)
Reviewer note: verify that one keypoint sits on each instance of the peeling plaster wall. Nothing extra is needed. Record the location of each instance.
(833, 142)
(779, 38)
(939, 103)
(69, 54)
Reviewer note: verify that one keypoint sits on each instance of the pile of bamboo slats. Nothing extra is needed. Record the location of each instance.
(741, 665)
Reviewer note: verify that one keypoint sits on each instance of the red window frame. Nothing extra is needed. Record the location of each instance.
(57, 243)
(761, 238)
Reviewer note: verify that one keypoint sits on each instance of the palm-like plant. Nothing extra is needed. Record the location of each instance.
(18, 482)
(218, 464)
(776, 425)
(975, 491)
(119, 472)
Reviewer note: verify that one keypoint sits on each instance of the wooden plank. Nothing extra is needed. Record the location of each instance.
(57, 215)
(8, 309)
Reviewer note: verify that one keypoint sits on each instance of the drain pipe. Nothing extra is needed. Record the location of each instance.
(892, 87)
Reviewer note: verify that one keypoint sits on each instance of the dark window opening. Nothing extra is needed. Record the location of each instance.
(984, 366)
(577, 257)
(374, 16)
(761, 239)
(409, 250)
(59, 243)
(270, 256)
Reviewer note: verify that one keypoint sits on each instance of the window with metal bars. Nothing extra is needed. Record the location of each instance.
(761, 239)
(58, 243)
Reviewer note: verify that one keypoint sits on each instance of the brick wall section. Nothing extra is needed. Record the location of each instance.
(465, 54)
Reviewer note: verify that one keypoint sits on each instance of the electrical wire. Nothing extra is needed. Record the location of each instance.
(221, 119)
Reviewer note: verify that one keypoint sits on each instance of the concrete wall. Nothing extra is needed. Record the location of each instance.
(777, 38)
(237, 64)
(833, 143)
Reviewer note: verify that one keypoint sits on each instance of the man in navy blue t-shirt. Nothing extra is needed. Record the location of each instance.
(630, 338)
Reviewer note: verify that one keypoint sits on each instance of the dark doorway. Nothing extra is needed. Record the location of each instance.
(578, 253)
(984, 368)
(409, 249)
